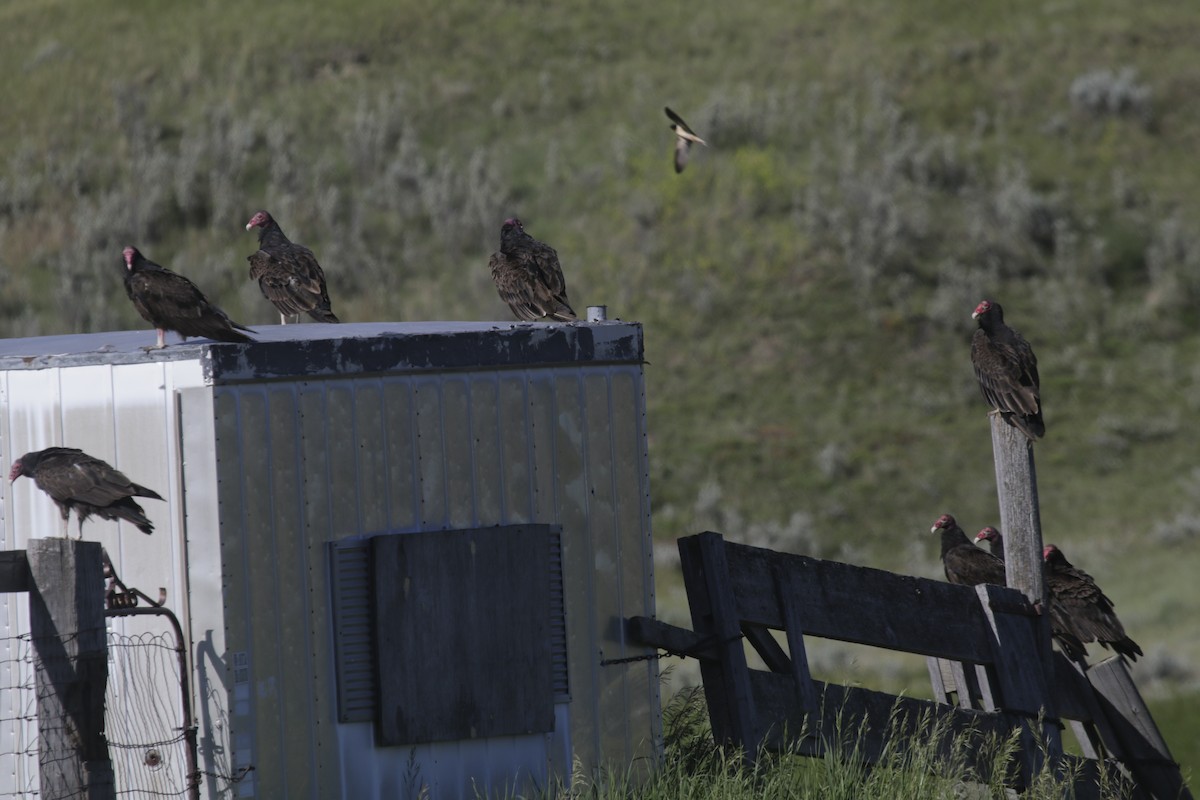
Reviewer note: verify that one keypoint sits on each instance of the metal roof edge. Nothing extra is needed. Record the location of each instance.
(512, 345)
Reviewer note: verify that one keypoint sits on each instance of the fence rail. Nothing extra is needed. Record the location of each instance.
(989, 639)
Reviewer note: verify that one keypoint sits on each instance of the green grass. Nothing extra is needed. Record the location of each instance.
(936, 766)
(874, 170)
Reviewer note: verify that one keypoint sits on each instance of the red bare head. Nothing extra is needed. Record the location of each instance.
(984, 307)
(18, 469)
(510, 223)
(1051, 553)
(944, 521)
(259, 220)
(130, 254)
(988, 534)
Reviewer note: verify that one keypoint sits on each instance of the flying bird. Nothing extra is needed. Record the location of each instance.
(1082, 608)
(75, 480)
(994, 540)
(288, 273)
(528, 276)
(171, 302)
(1007, 371)
(683, 139)
(964, 563)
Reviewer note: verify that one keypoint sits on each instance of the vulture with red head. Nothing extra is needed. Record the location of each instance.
(1007, 371)
(966, 564)
(171, 302)
(288, 273)
(1080, 607)
(995, 541)
(75, 480)
(528, 276)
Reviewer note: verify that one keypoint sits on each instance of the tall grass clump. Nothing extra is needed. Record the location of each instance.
(932, 764)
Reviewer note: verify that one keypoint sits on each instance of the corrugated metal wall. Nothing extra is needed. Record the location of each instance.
(125, 415)
(303, 463)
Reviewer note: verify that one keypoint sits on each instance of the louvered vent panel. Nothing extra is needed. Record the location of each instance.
(350, 569)
(558, 622)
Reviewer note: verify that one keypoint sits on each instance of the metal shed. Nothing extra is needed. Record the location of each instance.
(399, 551)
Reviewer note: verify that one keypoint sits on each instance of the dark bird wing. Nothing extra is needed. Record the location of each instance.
(292, 280)
(684, 137)
(74, 479)
(969, 565)
(1008, 377)
(74, 475)
(1086, 612)
(530, 280)
(170, 301)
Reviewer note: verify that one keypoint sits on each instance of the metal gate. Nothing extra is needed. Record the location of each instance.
(148, 718)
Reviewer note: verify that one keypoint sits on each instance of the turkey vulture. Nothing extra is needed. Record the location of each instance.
(1068, 641)
(288, 273)
(1007, 371)
(171, 302)
(966, 564)
(73, 479)
(528, 276)
(994, 539)
(683, 139)
(1083, 609)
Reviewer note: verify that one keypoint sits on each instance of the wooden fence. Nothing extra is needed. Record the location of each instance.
(991, 635)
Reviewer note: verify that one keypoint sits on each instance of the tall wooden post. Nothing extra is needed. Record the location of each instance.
(1021, 526)
(66, 621)
(1020, 520)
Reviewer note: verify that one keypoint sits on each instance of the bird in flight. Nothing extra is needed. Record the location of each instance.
(684, 136)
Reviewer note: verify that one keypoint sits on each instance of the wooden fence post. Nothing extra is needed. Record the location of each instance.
(66, 622)
(1146, 753)
(1020, 519)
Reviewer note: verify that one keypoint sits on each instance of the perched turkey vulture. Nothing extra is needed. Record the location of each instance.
(1007, 371)
(171, 302)
(1085, 611)
(966, 564)
(683, 139)
(528, 276)
(994, 539)
(75, 480)
(1068, 641)
(288, 273)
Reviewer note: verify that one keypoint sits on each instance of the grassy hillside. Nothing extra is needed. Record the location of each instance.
(806, 285)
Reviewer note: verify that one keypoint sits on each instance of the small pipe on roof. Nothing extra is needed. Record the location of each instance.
(597, 313)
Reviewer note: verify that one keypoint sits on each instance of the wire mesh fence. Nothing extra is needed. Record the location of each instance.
(143, 717)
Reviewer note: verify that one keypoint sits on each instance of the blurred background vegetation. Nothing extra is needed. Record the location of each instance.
(874, 170)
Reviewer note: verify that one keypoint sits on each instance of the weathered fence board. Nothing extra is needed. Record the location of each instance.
(1021, 682)
(711, 600)
(737, 591)
(987, 644)
(866, 724)
(859, 604)
(1146, 752)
